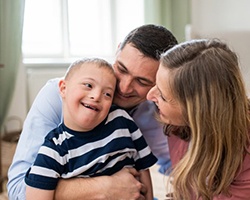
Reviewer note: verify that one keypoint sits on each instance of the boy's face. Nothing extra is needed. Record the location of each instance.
(135, 75)
(87, 96)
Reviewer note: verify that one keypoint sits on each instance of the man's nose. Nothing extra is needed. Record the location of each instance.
(125, 86)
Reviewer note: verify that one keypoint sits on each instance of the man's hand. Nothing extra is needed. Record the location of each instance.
(122, 185)
(126, 185)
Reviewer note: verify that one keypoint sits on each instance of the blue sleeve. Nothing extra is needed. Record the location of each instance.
(145, 158)
(45, 114)
(152, 131)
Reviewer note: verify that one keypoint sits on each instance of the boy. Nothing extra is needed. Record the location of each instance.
(93, 139)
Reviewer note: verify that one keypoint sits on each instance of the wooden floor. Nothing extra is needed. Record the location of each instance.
(4, 196)
(159, 185)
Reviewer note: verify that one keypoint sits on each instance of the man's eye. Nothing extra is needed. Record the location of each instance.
(88, 85)
(121, 69)
(142, 83)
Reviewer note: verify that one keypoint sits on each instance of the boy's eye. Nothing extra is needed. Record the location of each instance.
(88, 85)
(107, 94)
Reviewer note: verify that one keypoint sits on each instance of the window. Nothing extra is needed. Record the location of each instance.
(64, 29)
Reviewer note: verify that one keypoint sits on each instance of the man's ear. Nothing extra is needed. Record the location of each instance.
(62, 87)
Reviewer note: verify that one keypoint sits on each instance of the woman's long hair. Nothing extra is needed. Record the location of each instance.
(206, 80)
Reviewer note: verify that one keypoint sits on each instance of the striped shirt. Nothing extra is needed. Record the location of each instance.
(113, 144)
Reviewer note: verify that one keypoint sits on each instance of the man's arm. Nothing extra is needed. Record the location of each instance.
(44, 115)
(122, 185)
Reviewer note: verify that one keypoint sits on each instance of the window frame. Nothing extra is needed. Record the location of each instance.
(65, 55)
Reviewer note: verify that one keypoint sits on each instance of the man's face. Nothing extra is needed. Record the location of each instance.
(135, 76)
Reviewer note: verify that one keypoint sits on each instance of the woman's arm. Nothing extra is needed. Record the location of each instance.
(122, 185)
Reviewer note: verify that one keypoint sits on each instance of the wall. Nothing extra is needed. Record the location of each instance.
(228, 20)
(220, 15)
(31, 78)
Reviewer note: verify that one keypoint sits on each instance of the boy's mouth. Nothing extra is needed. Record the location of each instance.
(90, 107)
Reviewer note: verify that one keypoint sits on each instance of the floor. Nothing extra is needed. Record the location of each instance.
(158, 180)
(3, 196)
(160, 188)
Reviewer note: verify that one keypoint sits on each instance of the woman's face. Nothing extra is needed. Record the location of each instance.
(169, 109)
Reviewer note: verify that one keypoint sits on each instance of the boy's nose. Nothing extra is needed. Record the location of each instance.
(96, 95)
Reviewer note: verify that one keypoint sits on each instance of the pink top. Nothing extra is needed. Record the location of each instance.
(239, 188)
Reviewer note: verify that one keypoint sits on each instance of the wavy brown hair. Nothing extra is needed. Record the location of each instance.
(206, 80)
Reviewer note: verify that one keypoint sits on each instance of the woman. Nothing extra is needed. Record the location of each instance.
(203, 104)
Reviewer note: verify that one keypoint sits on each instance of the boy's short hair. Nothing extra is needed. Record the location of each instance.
(78, 63)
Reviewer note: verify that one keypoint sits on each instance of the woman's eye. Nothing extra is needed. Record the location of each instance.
(88, 85)
(162, 98)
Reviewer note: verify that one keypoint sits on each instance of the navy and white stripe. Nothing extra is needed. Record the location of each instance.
(115, 143)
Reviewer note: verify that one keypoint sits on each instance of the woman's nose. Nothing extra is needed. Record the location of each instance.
(151, 94)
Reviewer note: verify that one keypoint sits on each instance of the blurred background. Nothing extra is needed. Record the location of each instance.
(40, 38)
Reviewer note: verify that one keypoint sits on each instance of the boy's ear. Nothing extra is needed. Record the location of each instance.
(62, 87)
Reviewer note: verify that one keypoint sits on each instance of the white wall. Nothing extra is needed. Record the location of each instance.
(228, 20)
(220, 15)
(31, 78)
(37, 77)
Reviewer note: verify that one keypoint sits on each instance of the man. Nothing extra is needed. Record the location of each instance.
(136, 64)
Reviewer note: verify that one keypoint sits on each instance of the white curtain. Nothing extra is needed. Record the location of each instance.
(11, 25)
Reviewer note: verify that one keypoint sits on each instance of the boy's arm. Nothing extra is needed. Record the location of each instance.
(145, 178)
(121, 185)
(38, 194)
